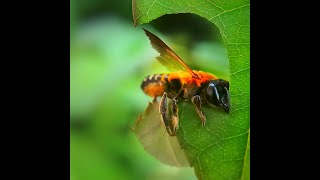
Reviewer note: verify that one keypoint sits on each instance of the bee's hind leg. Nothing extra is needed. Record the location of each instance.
(171, 120)
(196, 100)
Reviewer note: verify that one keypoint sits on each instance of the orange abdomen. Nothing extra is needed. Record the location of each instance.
(153, 86)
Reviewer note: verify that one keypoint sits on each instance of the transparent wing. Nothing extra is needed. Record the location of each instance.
(167, 57)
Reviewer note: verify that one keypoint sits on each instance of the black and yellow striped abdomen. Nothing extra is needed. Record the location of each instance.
(153, 86)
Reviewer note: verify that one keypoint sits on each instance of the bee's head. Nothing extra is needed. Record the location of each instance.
(217, 93)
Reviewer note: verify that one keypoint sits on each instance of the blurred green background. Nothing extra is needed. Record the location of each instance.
(109, 58)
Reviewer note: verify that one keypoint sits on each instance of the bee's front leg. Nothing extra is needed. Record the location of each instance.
(196, 100)
(171, 120)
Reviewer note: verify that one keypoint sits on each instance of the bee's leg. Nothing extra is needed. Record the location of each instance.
(178, 94)
(171, 123)
(174, 118)
(196, 100)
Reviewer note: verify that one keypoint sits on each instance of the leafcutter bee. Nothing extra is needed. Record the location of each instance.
(183, 84)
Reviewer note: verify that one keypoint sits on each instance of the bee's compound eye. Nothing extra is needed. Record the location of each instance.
(225, 100)
(213, 95)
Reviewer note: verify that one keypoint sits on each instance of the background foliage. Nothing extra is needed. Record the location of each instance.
(109, 59)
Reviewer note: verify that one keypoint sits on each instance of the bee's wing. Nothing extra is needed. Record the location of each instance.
(167, 57)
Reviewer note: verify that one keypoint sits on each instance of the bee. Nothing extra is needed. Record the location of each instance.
(182, 84)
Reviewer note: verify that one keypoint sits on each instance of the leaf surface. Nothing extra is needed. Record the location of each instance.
(221, 150)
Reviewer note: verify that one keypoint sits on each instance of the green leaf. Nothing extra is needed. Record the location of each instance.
(221, 150)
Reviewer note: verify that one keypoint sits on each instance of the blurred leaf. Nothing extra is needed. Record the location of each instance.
(101, 61)
(221, 149)
(213, 54)
(150, 131)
